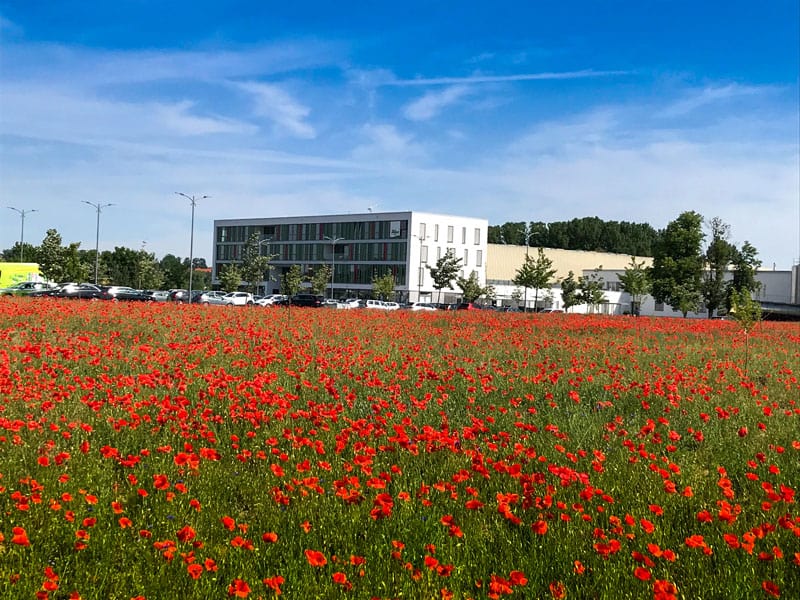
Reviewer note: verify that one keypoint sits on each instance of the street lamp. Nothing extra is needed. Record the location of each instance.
(269, 271)
(333, 241)
(22, 213)
(191, 239)
(420, 272)
(99, 208)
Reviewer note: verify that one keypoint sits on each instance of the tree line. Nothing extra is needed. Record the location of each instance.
(685, 274)
(123, 266)
(588, 233)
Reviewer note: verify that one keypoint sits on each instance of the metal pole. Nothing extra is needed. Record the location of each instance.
(420, 272)
(191, 240)
(22, 213)
(98, 207)
(333, 241)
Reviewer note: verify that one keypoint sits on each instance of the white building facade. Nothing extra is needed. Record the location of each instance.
(359, 248)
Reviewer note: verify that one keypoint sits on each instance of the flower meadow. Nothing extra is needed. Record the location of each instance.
(161, 451)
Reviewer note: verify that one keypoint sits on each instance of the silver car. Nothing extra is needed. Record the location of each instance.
(210, 297)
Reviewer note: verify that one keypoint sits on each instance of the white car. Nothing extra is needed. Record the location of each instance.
(238, 299)
(270, 299)
(422, 306)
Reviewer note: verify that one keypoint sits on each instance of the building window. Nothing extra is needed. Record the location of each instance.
(477, 236)
(659, 307)
(450, 229)
(478, 257)
(466, 254)
(423, 254)
(436, 233)
(394, 229)
(438, 252)
(422, 231)
(463, 235)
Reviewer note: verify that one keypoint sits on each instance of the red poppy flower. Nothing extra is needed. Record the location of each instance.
(239, 589)
(316, 558)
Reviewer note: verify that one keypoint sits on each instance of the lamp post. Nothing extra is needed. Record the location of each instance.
(333, 241)
(269, 268)
(99, 208)
(420, 272)
(22, 212)
(191, 240)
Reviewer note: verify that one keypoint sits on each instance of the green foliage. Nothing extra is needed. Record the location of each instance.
(536, 273)
(636, 282)
(51, 257)
(677, 269)
(320, 280)
(148, 274)
(254, 265)
(745, 310)
(383, 286)
(293, 280)
(569, 291)
(176, 275)
(717, 257)
(471, 288)
(230, 278)
(745, 265)
(445, 271)
(587, 233)
(591, 290)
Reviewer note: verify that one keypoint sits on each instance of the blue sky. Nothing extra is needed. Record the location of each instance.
(511, 111)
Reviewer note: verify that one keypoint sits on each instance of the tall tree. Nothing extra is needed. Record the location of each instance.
(176, 276)
(591, 290)
(320, 279)
(383, 286)
(636, 282)
(120, 267)
(254, 265)
(149, 275)
(745, 265)
(536, 273)
(677, 269)
(292, 280)
(569, 291)
(717, 258)
(471, 288)
(75, 268)
(51, 257)
(445, 271)
(230, 278)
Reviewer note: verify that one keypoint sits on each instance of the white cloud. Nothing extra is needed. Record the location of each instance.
(272, 102)
(385, 142)
(432, 103)
(695, 99)
(474, 79)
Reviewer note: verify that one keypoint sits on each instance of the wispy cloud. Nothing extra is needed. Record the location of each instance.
(474, 79)
(274, 103)
(432, 103)
(711, 95)
(385, 142)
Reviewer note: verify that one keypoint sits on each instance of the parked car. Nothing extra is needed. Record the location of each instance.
(468, 306)
(416, 306)
(351, 303)
(270, 299)
(83, 291)
(208, 297)
(124, 293)
(552, 310)
(26, 288)
(238, 299)
(179, 296)
(158, 295)
(308, 300)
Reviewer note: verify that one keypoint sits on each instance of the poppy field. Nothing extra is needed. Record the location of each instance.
(161, 451)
